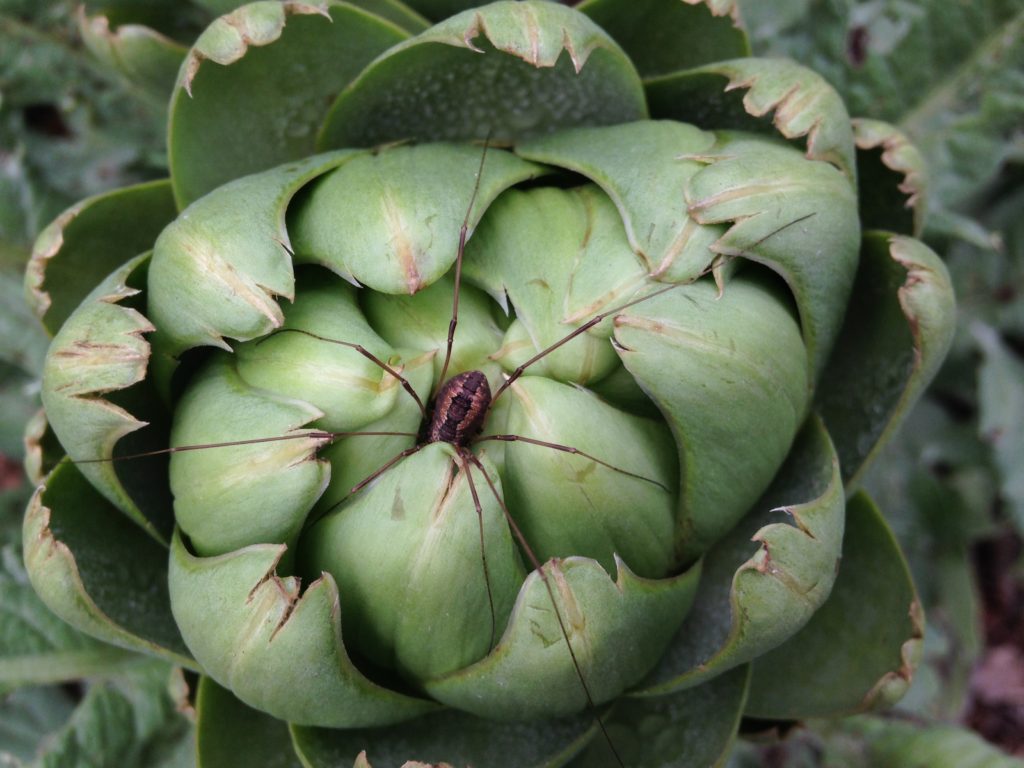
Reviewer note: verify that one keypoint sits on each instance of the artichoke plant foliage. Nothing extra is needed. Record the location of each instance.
(757, 317)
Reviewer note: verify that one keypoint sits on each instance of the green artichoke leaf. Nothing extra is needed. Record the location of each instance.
(39, 648)
(218, 7)
(617, 630)
(568, 504)
(899, 326)
(448, 738)
(699, 356)
(167, 16)
(895, 742)
(229, 734)
(43, 450)
(127, 720)
(621, 390)
(643, 167)
(23, 344)
(99, 351)
(143, 55)
(440, 9)
(218, 268)
(859, 651)
(97, 570)
(893, 179)
(796, 216)
(30, 715)
(392, 220)
(801, 101)
(420, 322)
(350, 389)
(401, 14)
(766, 579)
(356, 457)
(255, 87)
(77, 250)
(279, 652)
(230, 497)
(696, 726)
(560, 256)
(1001, 416)
(433, 555)
(449, 84)
(663, 37)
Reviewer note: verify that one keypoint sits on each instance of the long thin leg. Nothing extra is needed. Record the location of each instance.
(458, 264)
(462, 452)
(381, 470)
(615, 310)
(517, 532)
(568, 449)
(362, 351)
(316, 435)
(573, 334)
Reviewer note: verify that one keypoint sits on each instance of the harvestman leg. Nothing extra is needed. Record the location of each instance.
(568, 449)
(316, 435)
(362, 351)
(463, 453)
(537, 566)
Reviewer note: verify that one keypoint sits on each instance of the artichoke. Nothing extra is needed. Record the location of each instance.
(494, 392)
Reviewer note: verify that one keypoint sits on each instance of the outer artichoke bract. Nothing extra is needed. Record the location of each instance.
(657, 297)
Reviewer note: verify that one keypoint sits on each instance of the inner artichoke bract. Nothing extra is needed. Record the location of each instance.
(679, 408)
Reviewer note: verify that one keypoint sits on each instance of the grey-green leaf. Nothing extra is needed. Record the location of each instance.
(897, 330)
(947, 75)
(230, 734)
(129, 721)
(644, 167)
(662, 37)
(392, 221)
(1001, 401)
(507, 70)
(80, 248)
(219, 268)
(99, 357)
(765, 580)
(256, 85)
(36, 646)
(97, 570)
(800, 103)
(892, 178)
(859, 651)
(22, 342)
(697, 355)
(143, 55)
(693, 727)
(891, 743)
(27, 717)
(451, 737)
(294, 665)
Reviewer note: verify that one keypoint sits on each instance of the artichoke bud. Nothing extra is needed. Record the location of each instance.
(660, 407)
